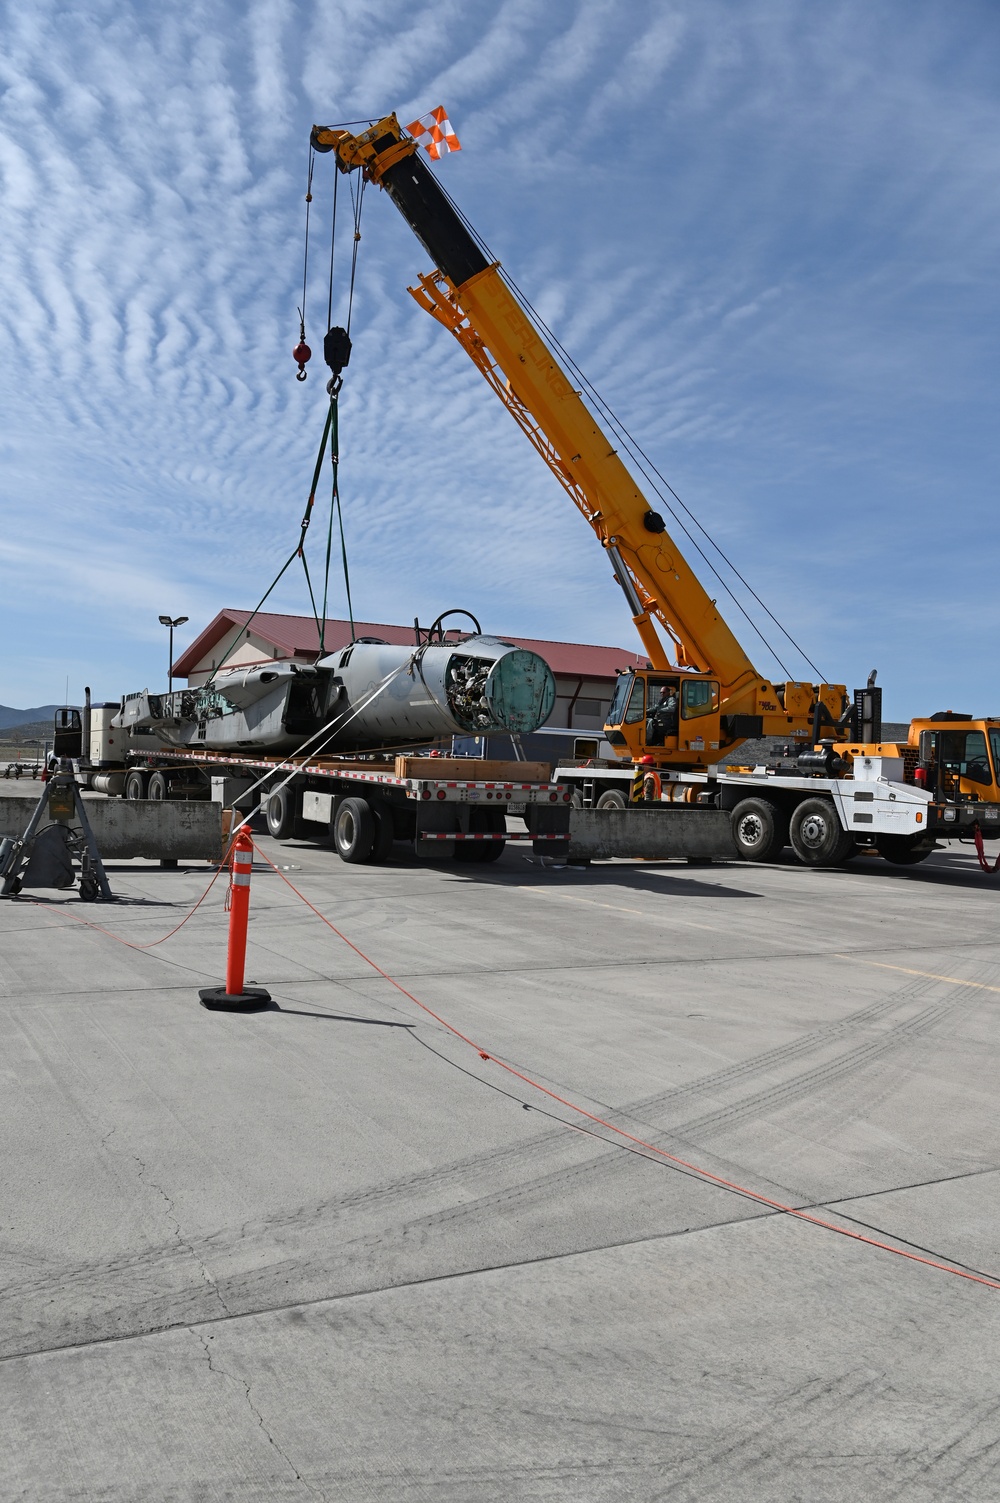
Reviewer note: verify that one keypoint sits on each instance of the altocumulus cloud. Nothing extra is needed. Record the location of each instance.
(768, 233)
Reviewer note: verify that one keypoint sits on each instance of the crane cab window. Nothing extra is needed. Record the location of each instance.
(995, 749)
(661, 710)
(616, 710)
(962, 754)
(699, 697)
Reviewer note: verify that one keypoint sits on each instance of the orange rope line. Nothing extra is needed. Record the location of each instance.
(705, 1174)
(99, 928)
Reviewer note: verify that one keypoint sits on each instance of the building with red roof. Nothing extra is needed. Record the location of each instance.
(584, 674)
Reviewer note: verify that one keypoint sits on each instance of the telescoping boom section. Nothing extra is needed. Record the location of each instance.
(701, 695)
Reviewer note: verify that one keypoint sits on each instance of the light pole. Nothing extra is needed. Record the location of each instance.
(171, 622)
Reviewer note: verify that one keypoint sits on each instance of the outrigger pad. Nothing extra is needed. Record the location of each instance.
(217, 999)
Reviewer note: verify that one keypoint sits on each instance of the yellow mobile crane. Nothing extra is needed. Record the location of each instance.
(722, 697)
(700, 696)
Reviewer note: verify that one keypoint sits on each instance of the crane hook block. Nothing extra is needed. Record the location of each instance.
(337, 349)
(300, 355)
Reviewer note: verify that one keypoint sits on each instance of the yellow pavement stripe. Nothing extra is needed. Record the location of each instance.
(928, 975)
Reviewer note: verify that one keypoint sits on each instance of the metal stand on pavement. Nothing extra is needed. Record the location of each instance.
(43, 856)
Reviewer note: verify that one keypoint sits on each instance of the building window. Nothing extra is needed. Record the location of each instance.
(588, 707)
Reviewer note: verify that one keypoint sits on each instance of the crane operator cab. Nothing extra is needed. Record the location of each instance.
(955, 763)
(666, 713)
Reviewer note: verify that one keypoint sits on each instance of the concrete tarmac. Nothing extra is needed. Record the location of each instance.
(326, 1251)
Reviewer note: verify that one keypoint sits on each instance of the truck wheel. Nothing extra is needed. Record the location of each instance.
(281, 814)
(760, 829)
(576, 799)
(817, 836)
(158, 787)
(354, 830)
(904, 850)
(613, 799)
(135, 784)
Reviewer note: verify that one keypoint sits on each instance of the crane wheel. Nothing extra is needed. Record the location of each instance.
(818, 838)
(354, 830)
(613, 799)
(760, 829)
(904, 850)
(158, 787)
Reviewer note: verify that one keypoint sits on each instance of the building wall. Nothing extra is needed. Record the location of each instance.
(252, 649)
(581, 704)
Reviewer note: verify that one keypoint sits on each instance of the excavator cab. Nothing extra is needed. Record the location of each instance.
(671, 716)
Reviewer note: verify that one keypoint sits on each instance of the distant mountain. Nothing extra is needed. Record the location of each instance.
(10, 717)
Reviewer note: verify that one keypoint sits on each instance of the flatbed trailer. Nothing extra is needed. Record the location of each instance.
(443, 807)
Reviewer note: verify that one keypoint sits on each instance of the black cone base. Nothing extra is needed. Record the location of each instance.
(219, 1000)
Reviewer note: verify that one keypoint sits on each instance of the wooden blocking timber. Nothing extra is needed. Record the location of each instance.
(472, 770)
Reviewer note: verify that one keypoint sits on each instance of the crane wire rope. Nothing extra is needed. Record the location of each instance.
(305, 249)
(331, 435)
(644, 463)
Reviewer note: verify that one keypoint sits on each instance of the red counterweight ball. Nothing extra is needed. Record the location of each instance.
(301, 353)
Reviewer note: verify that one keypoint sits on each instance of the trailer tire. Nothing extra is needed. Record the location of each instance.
(760, 829)
(614, 798)
(486, 822)
(135, 784)
(576, 799)
(281, 814)
(818, 838)
(904, 850)
(354, 830)
(158, 788)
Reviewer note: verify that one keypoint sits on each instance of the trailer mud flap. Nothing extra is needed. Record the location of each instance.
(435, 819)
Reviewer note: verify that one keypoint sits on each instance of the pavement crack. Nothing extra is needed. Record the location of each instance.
(179, 1236)
(217, 1371)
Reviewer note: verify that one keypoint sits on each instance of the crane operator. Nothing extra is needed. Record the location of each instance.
(662, 721)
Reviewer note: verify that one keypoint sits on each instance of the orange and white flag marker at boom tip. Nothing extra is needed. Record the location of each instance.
(436, 125)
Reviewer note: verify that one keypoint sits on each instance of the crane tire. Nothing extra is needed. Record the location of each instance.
(614, 798)
(354, 830)
(135, 784)
(903, 850)
(760, 829)
(158, 788)
(818, 838)
(281, 814)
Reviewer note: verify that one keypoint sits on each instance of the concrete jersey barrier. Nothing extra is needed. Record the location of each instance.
(601, 834)
(174, 829)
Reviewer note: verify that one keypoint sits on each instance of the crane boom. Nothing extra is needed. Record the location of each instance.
(469, 295)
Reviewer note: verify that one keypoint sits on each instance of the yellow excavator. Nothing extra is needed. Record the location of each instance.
(700, 696)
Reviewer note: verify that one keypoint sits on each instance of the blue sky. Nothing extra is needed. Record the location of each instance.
(767, 231)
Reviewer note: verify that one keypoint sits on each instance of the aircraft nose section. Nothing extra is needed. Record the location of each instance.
(521, 691)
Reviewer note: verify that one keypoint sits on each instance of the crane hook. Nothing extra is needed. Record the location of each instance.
(301, 352)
